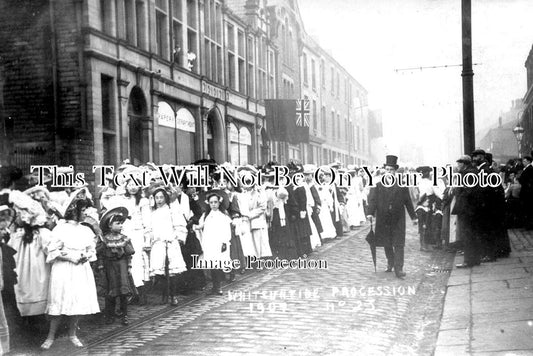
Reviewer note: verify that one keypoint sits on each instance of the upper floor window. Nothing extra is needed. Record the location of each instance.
(161, 28)
(306, 81)
(313, 74)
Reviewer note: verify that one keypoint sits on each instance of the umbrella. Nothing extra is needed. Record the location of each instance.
(371, 239)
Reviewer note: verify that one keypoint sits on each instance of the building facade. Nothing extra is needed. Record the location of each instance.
(526, 119)
(89, 82)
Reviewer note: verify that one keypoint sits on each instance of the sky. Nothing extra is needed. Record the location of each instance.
(373, 39)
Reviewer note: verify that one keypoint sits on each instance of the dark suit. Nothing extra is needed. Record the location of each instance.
(316, 208)
(388, 205)
(469, 212)
(526, 196)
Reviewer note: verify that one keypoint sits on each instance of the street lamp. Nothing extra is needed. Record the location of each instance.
(519, 133)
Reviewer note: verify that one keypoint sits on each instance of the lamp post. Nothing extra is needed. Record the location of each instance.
(519, 133)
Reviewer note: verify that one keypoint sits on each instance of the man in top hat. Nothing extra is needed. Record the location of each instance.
(388, 205)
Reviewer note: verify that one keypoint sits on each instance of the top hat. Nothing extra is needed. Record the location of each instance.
(391, 161)
(108, 215)
(478, 151)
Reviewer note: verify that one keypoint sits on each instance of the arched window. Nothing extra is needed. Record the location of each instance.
(240, 145)
(176, 135)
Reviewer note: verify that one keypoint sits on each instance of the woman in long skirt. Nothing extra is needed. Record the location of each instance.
(29, 238)
(279, 226)
(328, 229)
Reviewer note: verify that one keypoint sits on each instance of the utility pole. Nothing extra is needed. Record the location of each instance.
(469, 135)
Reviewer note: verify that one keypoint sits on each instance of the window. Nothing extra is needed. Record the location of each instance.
(261, 67)
(213, 41)
(338, 86)
(333, 130)
(313, 74)
(241, 61)
(161, 28)
(290, 50)
(271, 74)
(338, 126)
(250, 60)
(323, 73)
(192, 36)
(332, 81)
(231, 58)
(323, 123)
(140, 8)
(315, 123)
(129, 9)
(346, 130)
(107, 16)
(108, 120)
(306, 81)
(240, 145)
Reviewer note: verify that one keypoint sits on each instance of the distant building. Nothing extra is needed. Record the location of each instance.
(500, 140)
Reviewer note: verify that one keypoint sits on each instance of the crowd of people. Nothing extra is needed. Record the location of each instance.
(69, 246)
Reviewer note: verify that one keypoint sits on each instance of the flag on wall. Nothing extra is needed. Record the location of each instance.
(288, 120)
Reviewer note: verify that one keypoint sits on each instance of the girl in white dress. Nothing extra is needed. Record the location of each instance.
(166, 235)
(72, 289)
(216, 237)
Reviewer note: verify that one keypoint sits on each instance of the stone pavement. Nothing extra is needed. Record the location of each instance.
(347, 309)
(489, 308)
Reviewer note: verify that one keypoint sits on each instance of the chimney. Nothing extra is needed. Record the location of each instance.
(500, 122)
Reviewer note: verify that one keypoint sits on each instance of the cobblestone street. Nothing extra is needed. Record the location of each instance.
(345, 309)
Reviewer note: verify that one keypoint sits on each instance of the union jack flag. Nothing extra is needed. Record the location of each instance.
(302, 112)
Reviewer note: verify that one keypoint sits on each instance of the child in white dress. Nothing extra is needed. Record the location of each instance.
(72, 289)
(166, 236)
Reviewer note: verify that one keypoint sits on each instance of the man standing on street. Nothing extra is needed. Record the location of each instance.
(388, 205)
(526, 192)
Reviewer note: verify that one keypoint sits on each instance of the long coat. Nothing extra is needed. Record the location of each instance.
(388, 205)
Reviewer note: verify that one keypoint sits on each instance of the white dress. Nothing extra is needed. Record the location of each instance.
(72, 289)
(354, 205)
(33, 273)
(315, 237)
(328, 229)
(243, 226)
(216, 231)
(166, 239)
(257, 213)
